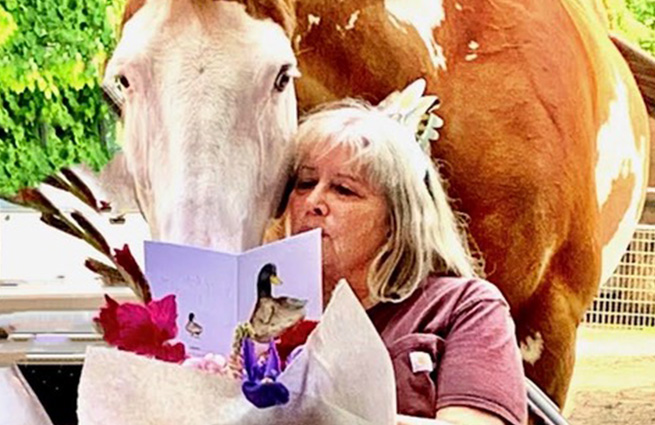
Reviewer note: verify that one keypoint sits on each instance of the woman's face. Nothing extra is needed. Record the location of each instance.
(352, 212)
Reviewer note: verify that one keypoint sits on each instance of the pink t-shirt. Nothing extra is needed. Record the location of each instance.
(452, 343)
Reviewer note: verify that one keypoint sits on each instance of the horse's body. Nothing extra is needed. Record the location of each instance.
(545, 144)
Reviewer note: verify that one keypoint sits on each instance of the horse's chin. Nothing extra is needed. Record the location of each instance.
(214, 234)
(229, 243)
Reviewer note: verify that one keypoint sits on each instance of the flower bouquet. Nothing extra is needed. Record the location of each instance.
(341, 374)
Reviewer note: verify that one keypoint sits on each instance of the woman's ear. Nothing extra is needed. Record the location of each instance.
(284, 200)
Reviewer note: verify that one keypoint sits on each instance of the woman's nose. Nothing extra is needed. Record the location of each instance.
(316, 202)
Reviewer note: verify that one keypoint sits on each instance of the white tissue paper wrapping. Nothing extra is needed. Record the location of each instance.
(18, 403)
(342, 376)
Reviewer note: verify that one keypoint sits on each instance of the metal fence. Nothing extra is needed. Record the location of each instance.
(627, 299)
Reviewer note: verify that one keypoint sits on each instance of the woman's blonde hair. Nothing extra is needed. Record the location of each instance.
(426, 236)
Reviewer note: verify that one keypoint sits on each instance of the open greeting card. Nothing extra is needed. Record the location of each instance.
(216, 290)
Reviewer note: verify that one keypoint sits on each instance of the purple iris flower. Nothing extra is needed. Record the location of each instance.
(260, 386)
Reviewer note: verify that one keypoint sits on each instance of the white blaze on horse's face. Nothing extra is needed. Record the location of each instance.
(210, 111)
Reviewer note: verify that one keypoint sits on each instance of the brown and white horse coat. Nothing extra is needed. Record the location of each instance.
(545, 145)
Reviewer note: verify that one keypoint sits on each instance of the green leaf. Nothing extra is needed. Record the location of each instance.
(52, 54)
(7, 26)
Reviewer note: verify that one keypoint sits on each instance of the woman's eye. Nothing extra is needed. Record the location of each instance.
(305, 184)
(344, 190)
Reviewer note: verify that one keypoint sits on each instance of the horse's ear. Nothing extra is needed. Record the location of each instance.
(281, 12)
(131, 7)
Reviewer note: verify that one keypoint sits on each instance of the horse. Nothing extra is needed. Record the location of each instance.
(545, 144)
(204, 142)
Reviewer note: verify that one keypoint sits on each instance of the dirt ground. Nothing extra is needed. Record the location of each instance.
(614, 378)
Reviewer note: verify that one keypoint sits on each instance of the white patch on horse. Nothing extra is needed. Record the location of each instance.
(424, 16)
(545, 262)
(473, 45)
(471, 56)
(312, 21)
(619, 157)
(532, 348)
(351, 21)
(458, 7)
(615, 248)
(396, 23)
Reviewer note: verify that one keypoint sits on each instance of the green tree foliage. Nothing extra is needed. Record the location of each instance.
(634, 19)
(51, 110)
(644, 11)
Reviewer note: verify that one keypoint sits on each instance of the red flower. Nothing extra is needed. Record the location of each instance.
(143, 329)
(126, 260)
(108, 321)
(293, 337)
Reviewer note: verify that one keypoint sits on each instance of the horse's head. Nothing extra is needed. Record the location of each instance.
(209, 109)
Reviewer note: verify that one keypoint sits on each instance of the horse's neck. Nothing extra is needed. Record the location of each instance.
(377, 52)
(594, 8)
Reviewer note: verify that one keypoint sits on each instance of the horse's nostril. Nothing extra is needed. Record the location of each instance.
(123, 81)
(113, 96)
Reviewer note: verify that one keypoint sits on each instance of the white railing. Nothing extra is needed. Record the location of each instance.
(627, 299)
(34, 252)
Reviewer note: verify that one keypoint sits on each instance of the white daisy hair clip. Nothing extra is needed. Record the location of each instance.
(416, 111)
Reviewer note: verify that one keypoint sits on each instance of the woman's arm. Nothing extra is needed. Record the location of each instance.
(481, 370)
(414, 420)
(453, 416)
(459, 415)
(476, 376)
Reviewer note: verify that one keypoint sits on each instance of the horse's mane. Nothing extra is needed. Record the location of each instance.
(280, 11)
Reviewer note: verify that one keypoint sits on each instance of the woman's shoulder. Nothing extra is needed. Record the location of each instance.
(435, 304)
(462, 290)
(451, 302)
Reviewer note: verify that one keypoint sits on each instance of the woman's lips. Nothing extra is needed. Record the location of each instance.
(308, 228)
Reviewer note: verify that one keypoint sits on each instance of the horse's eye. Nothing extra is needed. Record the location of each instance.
(283, 78)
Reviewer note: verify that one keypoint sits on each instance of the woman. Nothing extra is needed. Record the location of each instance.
(388, 229)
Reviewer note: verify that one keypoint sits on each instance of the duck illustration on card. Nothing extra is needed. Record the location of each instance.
(273, 314)
(192, 327)
(272, 287)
